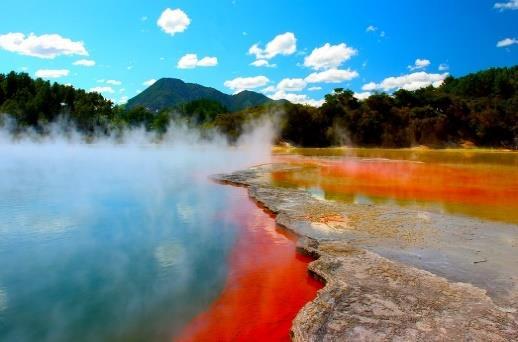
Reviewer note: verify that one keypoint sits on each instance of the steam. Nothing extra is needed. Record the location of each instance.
(126, 226)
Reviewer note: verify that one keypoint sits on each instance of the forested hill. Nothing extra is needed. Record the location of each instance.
(479, 109)
(172, 92)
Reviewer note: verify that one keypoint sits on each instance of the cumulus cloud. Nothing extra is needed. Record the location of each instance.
(114, 82)
(292, 84)
(296, 98)
(314, 88)
(283, 44)
(412, 81)
(369, 86)
(149, 83)
(243, 83)
(46, 46)
(263, 63)
(329, 56)
(507, 42)
(52, 73)
(331, 76)
(85, 62)
(269, 89)
(190, 61)
(371, 28)
(419, 64)
(173, 21)
(363, 95)
(509, 5)
(103, 89)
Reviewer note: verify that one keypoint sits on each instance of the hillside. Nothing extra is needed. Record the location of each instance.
(172, 92)
(478, 109)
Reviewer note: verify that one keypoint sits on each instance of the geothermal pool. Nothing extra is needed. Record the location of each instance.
(478, 183)
(136, 243)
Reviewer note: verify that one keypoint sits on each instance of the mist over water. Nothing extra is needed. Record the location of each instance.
(111, 240)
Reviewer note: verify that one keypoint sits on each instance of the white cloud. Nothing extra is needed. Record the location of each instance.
(149, 83)
(46, 46)
(372, 29)
(419, 64)
(104, 89)
(331, 76)
(190, 61)
(208, 62)
(269, 89)
(242, 83)
(314, 88)
(507, 42)
(263, 63)
(444, 67)
(509, 5)
(369, 86)
(123, 99)
(292, 84)
(283, 44)
(52, 73)
(412, 81)
(363, 95)
(329, 56)
(85, 62)
(173, 21)
(296, 98)
(114, 82)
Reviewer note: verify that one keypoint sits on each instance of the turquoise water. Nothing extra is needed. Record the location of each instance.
(110, 243)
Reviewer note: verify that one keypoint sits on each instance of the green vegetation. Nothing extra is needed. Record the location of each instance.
(480, 108)
(168, 93)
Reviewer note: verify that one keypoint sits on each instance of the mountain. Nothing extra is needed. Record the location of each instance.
(171, 92)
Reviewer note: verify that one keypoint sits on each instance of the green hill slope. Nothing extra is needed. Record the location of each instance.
(172, 92)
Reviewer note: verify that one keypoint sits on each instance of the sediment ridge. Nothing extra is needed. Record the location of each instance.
(395, 274)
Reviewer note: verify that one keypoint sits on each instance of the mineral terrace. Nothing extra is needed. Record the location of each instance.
(393, 273)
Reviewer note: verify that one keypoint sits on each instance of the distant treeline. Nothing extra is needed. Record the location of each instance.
(480, 108)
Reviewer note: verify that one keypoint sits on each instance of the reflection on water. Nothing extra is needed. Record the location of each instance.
(267, 284)
(471, 156)
(3, 300)
(480, 184)
(108, 243)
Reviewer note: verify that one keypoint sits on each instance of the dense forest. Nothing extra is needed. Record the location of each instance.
(480, 109)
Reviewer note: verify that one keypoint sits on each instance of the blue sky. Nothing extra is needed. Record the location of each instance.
(315, 46)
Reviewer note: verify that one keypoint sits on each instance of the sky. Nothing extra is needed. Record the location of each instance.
(298, 49)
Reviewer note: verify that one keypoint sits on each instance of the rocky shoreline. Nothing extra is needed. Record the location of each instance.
(395, 274)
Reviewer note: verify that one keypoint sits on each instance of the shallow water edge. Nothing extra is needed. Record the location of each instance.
(373, 291)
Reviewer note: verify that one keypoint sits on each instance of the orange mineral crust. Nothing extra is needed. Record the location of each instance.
(267, 283)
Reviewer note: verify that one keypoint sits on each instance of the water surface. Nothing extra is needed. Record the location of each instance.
(124, 243)
(477, 183)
